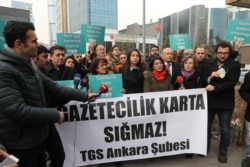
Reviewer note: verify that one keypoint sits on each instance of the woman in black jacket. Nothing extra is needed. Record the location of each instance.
(189, 73)
(132, 73)
(190, 77)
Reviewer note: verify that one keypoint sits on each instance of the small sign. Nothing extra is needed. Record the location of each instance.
(113, 81)
(2, 40)
(180, 42)
(74, 43)
(238, 30)
(93, 33)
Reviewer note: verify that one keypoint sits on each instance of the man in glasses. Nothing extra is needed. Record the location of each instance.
(222, 75)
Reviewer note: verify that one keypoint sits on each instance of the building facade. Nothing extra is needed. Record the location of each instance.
(73, 13)
(203, 25)
(98, 12)
(24, 6)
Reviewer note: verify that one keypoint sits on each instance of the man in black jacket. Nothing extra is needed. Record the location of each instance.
(222, 75)
(56, 68)
(245, 94)
(53, 143)
(24, 116)
(154, 52)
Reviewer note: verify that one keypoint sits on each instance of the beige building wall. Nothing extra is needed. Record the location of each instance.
(62, 16)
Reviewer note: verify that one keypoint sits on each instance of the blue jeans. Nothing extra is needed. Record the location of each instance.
(247, 144)
(225, 117)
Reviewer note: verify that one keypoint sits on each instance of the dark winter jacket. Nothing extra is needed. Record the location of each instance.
(24, 117)
(193, 81)
(132, 80)
(244, 92)
(223, 95)
(64, 73)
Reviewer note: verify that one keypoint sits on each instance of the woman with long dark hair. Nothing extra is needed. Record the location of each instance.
(132, 73)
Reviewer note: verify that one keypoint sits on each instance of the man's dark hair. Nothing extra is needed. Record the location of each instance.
(224, 44)
(113, 47)
(154, 46)
(56, 47)
(14, 30)
(42, 49)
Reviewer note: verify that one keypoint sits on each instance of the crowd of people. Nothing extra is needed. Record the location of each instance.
(28, 93)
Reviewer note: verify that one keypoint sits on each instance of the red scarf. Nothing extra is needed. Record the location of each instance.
(159, 75)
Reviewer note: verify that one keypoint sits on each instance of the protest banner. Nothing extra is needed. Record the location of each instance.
(135, 126)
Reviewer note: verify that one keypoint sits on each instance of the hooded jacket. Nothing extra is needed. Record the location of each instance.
(24, 117)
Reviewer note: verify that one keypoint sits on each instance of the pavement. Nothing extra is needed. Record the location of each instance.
(235, 155)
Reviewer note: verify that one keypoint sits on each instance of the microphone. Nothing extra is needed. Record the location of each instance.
(103, 88)
(77, 79)
(84, 82)
(179, 80)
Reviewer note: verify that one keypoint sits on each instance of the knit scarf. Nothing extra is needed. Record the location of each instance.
(159, 75)
(187, 75)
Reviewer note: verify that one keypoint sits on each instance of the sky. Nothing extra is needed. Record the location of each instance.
(129, 12)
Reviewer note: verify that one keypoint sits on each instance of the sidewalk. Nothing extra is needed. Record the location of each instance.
(235, 156)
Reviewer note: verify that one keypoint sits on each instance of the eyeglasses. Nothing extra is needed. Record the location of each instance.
(158, 63)
(167, 53)
(222, 53)
(103, 65)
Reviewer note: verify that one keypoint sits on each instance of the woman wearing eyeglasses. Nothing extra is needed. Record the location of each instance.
(157, 78)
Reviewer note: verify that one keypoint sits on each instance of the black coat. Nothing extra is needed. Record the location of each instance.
(133, 80)
(176, 70)
(244, 92)
(64, 73)
(223, 95)
(193, 81)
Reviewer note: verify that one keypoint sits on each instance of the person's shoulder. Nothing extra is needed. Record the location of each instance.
(211, 61)
(232, 62)
(49, 67)
(147, 74)
(247, 74)
(110, 72)
(175, 64)
(68, 69)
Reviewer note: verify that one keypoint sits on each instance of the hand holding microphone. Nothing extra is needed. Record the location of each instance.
(77, 79)
(179, 80)
(103, 88)
(84, 82)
